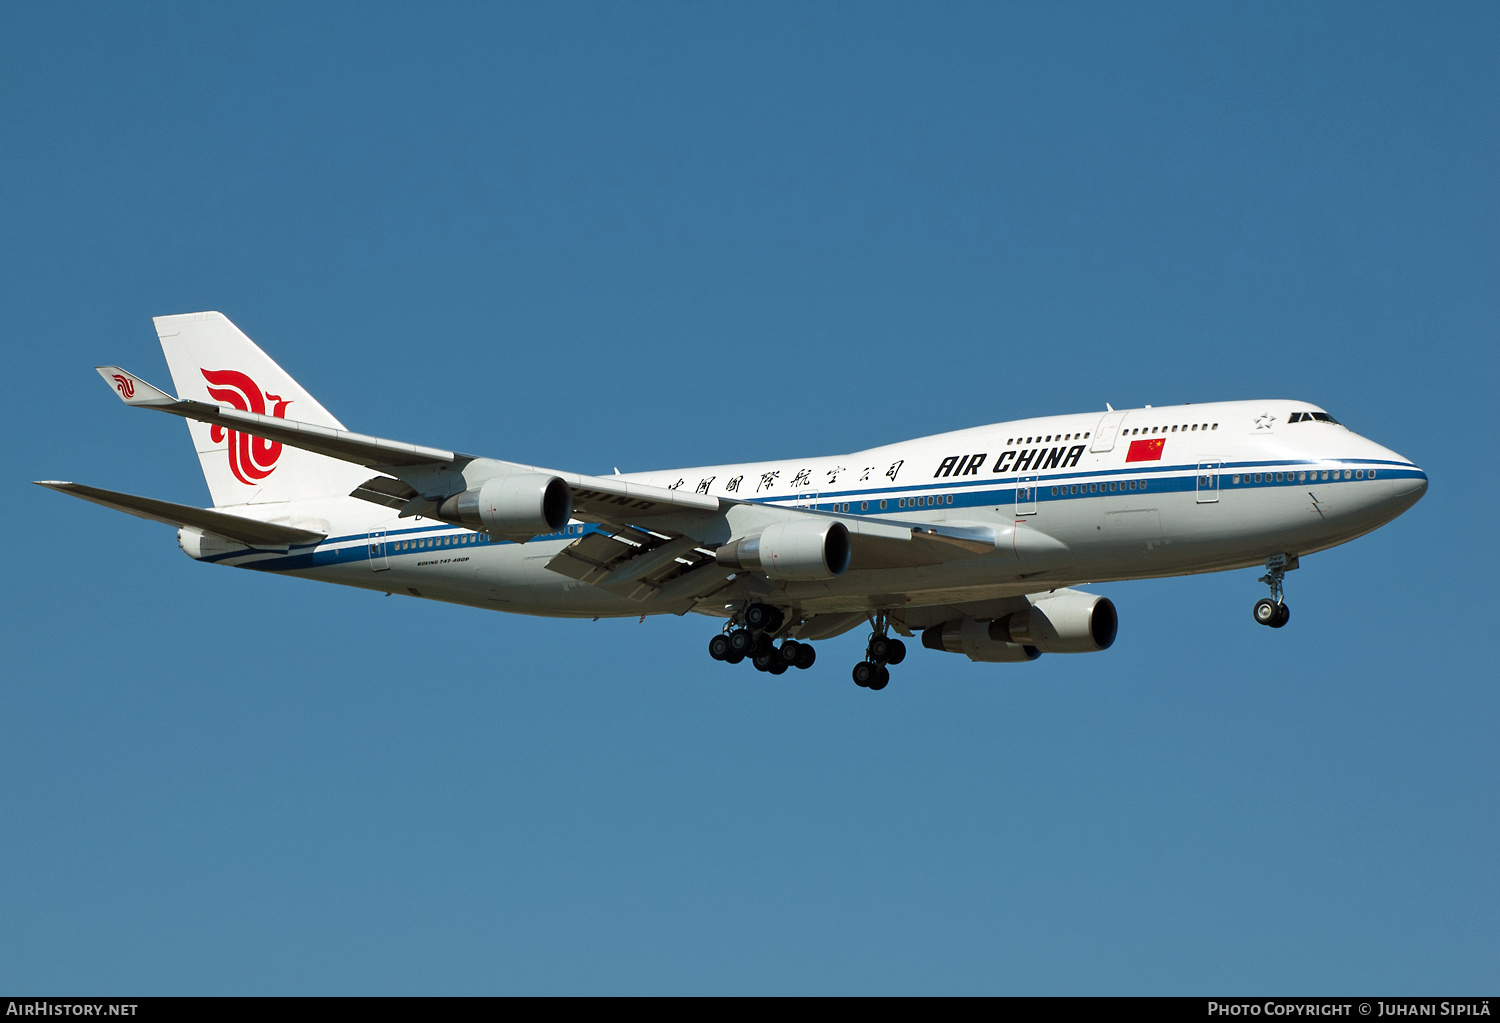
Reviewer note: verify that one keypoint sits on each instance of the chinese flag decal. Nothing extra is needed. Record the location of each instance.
(1145, 450)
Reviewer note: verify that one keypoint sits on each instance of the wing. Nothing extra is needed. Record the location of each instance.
(430, 475)
(652, 543)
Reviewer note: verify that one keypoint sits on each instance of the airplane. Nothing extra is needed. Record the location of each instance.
(974, 539)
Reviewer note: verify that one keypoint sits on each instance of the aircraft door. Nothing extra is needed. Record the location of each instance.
(1104, 433)
(378, 560)
(1208, 482)
(1026, 495)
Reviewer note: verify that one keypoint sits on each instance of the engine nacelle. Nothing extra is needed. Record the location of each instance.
(974, 640)
(1062, 622)
(525, 504)
(798, 550)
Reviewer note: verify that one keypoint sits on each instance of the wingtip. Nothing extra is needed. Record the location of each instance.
(131, 388)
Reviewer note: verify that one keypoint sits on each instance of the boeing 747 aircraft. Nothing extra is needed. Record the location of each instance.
(973, 538)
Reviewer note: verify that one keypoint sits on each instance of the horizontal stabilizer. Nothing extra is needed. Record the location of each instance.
(235, 527)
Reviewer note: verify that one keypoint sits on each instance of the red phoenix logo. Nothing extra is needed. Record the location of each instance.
(124, 385)
(251, 458)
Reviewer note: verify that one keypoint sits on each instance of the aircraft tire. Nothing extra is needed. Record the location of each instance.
(1267, 612)
(718, 647)
(741, 642)
(734, 658)
(806, 655)
(1282, 618)
(778, 667)
(896, 652)
(762, 616)
(790, 648)
(879, 649)
(882, 678)
(864, 673)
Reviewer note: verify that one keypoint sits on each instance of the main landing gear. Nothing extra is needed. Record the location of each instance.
(750, 633)
(1272, 611)
(871, 673)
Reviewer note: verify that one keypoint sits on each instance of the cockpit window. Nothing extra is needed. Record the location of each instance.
(1313, 417)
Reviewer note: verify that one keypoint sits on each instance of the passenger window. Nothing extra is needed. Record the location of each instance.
(882, 506)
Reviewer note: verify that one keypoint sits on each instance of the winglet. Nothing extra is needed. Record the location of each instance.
(133, 390)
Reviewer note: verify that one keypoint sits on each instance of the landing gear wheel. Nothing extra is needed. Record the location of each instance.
(741, 642)
(895, 652)
(790, 648)
(1268, 612)
(1286, 616)
(718, 647)
(805, 656)
(763, 617)
(881, 680)
(864, 673)
(778, 667)
(734, 658)
(879, 649)
(764, 662)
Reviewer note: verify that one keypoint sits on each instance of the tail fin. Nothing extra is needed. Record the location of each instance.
(213, 361)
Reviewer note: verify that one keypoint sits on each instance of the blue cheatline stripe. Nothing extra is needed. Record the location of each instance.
(1161, 479)
(1179, 478)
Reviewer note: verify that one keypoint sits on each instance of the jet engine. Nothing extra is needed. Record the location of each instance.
(525, 504)
(976, 641)
(1062, 622)
(799, 550)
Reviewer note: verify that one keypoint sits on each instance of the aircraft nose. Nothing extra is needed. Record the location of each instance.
(1413, 487)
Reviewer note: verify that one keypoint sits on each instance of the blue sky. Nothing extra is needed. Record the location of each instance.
(602, 235)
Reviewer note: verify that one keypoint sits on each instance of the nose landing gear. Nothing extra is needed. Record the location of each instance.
(1273, 611)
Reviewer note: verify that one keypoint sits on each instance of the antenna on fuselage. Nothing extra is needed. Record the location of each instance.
(1108, 407)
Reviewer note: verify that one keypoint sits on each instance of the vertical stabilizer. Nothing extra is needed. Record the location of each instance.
(211, 360)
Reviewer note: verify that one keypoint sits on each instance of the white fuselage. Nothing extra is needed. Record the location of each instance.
(1089, 497)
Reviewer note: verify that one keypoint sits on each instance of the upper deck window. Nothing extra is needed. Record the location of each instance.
(1313, 417)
